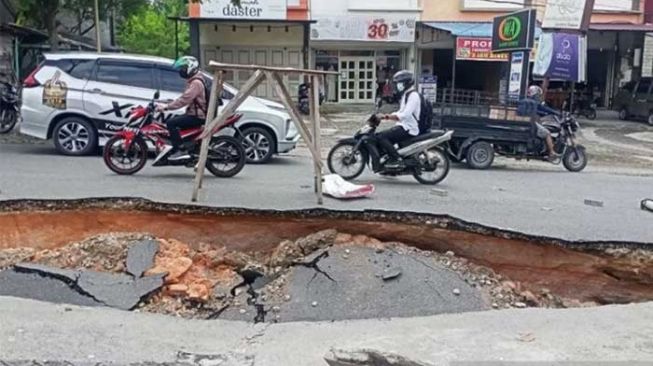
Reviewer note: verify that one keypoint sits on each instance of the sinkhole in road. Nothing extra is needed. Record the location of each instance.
(579, 272)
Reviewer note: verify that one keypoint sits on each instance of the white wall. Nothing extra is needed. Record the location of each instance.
(321, 8)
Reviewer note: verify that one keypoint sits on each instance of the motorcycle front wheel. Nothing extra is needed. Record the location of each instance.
(346, 162)
(226, 157)
(8, 119)
(122, 160)
(433, 168)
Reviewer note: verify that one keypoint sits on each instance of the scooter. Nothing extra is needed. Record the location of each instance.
(423, 156)
(9, 109)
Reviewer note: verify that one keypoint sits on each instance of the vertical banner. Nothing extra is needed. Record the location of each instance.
(516, 75)
(428, 87)
(561, 56)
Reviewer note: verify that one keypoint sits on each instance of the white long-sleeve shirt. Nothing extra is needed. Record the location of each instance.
(409, 111)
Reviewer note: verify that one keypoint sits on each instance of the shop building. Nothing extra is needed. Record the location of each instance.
(262, 32)
(366, 41)
(460, 28)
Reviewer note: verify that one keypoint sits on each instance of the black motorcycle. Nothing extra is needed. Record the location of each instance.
(9, 109)
(423, 156)
(303, 103)
(582, 107)
(563, 128)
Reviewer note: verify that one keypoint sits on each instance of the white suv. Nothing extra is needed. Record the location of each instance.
(95, 92)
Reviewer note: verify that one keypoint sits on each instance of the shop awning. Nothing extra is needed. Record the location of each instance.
(621, 27)
(468, 29)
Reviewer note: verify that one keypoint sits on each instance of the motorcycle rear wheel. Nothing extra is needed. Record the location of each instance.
(8, 120)
(122, 161)
(226, 157)
(435, 171)
(346, 162)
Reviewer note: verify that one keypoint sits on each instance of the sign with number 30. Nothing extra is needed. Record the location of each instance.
(377, 31)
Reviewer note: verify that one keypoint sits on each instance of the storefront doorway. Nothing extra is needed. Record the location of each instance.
(357, 79)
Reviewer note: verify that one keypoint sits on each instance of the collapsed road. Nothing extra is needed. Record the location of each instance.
(311, 265)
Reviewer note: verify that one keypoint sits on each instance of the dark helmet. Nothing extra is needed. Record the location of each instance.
(402, 81)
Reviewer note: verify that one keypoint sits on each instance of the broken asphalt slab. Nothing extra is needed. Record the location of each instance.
(352, 287)
(118, 290)
(38, 287)
(39, 282)
(140, 257)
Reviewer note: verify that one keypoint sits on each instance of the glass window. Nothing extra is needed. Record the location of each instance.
(170, 80)
(130, 74)
(82, 69)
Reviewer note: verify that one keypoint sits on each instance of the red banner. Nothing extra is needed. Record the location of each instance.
(477, 49)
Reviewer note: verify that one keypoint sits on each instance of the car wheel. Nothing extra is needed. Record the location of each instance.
(75, 136)
(259, 145)
(623, 114)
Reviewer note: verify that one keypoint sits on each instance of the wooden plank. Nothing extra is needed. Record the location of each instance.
(315, 112)
(286, 100)
(216, 91)
(239, 98)
(284, 70)
(230, 109)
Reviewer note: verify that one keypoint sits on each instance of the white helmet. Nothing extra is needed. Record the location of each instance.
(187, 66)
(534, 92)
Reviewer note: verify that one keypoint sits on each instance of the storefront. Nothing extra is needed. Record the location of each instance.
(365, 50)
(262, 32)
(468, 45)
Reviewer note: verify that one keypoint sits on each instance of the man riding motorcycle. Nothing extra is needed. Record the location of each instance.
(536, 94)
(194, 99)
(407, 125)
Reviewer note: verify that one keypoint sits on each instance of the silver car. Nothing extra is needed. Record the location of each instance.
(80, 99)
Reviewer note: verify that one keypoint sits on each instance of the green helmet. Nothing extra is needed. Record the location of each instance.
(187, 66)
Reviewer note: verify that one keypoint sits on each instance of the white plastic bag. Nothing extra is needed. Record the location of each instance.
(337, 187)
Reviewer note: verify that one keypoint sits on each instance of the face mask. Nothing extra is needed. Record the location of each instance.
(400, 87)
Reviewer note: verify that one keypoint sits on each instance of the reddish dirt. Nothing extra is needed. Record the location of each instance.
(569, 273)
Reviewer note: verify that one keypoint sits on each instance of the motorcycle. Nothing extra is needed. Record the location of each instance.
(126, 152)
(563, 128)
(303, 103)
(423, 156)
(9, 109)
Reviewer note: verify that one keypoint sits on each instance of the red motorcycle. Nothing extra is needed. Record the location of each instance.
(127, 151)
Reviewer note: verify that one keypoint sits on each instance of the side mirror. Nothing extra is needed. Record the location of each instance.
(157, 95)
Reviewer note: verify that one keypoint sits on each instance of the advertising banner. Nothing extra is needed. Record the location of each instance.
(365, 28)
(477, 49)
(561, 56)
(249, 9)
(514, 32)
(568, 14)
(516, 75)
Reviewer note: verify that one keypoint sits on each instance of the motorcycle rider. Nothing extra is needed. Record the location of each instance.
(194, 99)
(536, 94)
(407, 124)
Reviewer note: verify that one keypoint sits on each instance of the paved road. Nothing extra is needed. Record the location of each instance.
(547, 202)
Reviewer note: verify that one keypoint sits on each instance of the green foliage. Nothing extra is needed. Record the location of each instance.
(149, 31)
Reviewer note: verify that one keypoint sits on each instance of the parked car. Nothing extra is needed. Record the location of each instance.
(635, 100)
(80, 99)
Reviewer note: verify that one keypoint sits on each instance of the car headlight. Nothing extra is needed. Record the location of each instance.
(291, 129)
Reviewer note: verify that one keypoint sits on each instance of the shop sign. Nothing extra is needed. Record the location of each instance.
(568, 14)
(480, 49)
(477, 49)
(514, 32)
(248, 9)
(561, 56)
(361, 28)
(428, 87)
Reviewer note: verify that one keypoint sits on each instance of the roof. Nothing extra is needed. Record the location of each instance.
(34, 36)
(94, 55)
(624, 27)
(468, 29)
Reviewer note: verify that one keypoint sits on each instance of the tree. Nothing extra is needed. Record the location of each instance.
(149, 30)
(41, 14)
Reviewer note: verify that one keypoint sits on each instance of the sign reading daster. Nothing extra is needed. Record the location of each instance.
(248, 9)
